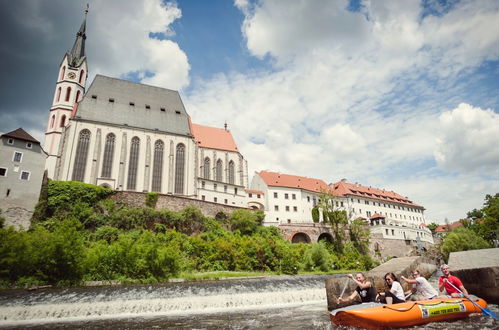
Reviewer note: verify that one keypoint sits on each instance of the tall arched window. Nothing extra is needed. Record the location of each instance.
(68, 93)
(133, 164)
(81, 156)
(77, 96)
(231, 172)
(58, 96)
(157, 169)
(207, 168)
(218, 173)
(52, 121)
(63, 72)
(82, 73)
(179, 169)
(107, 162)
(63, 121)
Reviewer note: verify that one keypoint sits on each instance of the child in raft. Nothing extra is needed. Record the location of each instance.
(364, 290)
(394, 293)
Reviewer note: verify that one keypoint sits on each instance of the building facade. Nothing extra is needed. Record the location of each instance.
(22, 161)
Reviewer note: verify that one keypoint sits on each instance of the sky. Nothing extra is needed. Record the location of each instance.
(398, 95)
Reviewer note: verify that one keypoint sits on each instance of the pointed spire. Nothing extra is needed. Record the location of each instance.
(77, 53)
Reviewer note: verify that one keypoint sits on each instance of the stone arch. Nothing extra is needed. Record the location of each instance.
(325, 236)
(300, 238)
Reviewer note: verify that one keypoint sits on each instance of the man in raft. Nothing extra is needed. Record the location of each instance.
(364, 290)
(445, 280)
(419, 283)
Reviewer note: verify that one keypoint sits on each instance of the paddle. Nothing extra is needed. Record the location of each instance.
(344, 287)
(485, 311)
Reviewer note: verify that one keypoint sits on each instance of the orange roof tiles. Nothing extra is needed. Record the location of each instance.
(377, 216)
(213, 138)
(343, 188)
(293, 181)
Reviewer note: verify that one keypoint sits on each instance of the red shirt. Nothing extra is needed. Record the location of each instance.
(454, 280)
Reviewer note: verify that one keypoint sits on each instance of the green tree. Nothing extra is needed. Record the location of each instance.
(337, 219)
(432, 226)
(485, 222)
(246, 221)
(462, 239)
(360, 235)
(316, 214)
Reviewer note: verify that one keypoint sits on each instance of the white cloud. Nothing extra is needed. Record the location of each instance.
(119, 42)
(469, 140)
(349, 96)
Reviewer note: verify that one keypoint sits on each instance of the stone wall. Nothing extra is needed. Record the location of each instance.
(18, 217)
(174, 203)
(394, 247)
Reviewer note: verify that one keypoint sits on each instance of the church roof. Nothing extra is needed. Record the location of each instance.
(293, 181)
(21, 135)
(124, 103)
(213, 138)
(77, 53)
(344, 189)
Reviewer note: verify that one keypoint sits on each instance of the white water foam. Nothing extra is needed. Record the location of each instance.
(199, 304)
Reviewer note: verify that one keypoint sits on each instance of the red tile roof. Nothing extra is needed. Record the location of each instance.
(21, 135)
(213, 138)
(449, 227)
(343, 189)
(377, 216)
(293, 181)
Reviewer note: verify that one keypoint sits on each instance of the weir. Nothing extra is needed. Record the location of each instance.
(70, 305)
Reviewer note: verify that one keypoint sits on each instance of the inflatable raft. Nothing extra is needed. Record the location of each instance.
(376, 316)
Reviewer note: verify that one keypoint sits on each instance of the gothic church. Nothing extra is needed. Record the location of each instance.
(135, 137)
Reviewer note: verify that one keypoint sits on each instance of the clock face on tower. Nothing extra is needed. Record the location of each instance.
(71, 75)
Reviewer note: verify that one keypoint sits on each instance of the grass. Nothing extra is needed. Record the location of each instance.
(231, 274)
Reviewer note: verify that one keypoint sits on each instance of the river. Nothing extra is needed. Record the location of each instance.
(284, 302)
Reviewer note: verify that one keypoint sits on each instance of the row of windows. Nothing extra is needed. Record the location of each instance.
(215, 199)
(250, 195)
(80, 162)
(23, 176)
(132, 104)
(403, 208)
(215, 187)
(218, 170)
(287, 208)
(62, 122)
(393, 233)
(286, 196)
(67, 97)
(369, 213)
(29, 145)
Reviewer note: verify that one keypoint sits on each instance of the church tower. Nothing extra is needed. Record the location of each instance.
(69, 91)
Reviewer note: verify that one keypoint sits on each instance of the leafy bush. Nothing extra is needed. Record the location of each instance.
(151, 199)
(462, 239)
(317, 257)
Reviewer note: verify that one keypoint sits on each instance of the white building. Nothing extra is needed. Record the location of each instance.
(135, 137)
(389, 214)
(288, 198)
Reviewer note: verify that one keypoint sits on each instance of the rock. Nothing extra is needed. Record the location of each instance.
(479, 272)
(399, 266)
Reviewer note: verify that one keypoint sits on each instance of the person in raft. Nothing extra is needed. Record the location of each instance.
(364, 290)
(446, 278)
(394, 293)
(419, 283)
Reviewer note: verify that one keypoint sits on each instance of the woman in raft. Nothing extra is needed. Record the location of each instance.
(394, 293)
(364, 290)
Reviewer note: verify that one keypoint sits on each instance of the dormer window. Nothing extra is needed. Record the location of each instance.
(132, 104)
(111, 100)
(94, 97)
(148, 106)
(10, 141)
(177, 112)
(163, 109)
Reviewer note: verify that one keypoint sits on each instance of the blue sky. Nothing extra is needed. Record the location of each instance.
(400, 95)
